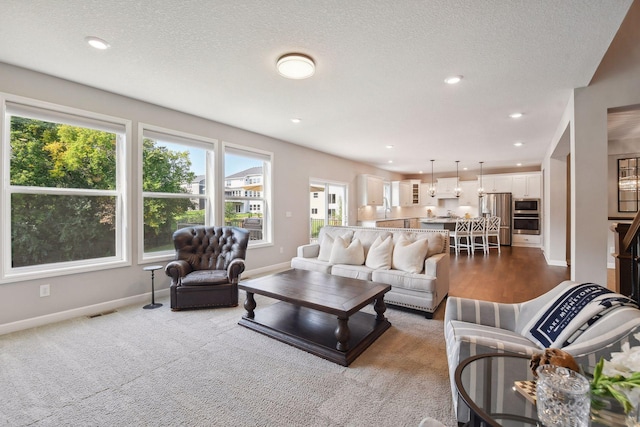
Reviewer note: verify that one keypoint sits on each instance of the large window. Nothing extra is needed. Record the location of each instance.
(246, 193)
(63, 207)
(177, 177)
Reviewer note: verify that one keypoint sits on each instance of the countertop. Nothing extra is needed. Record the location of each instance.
(438, 220)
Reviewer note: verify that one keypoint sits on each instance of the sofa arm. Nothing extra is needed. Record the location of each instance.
(176, 270)
(435, 263)
(499, 315)
(312, 250)
(235, 269)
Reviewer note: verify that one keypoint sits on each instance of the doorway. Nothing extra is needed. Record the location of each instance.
(327, 206)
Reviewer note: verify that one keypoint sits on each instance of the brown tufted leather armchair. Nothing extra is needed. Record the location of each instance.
(208, 264)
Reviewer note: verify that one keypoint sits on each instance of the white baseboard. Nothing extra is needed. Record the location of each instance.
(555, 262)
(90, 310)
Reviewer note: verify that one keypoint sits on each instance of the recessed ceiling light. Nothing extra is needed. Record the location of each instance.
(518, 144)
(389, 146)
(515, 115)
(296, 66)
(518, 164)
(97, 43)
(464, 169)
(296, 120)
(453, 80)
(420, 172)
(390, 161)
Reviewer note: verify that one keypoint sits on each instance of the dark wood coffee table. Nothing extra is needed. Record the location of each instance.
(318, 312)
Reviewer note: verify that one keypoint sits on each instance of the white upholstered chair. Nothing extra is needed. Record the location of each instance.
(492, 230)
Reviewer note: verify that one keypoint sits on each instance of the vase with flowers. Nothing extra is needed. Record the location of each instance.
(619, 378)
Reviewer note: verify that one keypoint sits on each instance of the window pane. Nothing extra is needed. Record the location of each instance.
(163, 216)
(45, 154)
(173, 168)
(51, 228)
(245, 193)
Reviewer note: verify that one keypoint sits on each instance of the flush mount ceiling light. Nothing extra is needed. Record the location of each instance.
(296, 66)
(97, 43)
(453, 80)
(515, 115)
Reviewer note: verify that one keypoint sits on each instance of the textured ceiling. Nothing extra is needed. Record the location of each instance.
(380, 68)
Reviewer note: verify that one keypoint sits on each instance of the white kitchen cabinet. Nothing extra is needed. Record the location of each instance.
(497, 183)
(415, 192)
(528, 185)
(370, 190)
(401, 193)
(469, 196)
(445, 187)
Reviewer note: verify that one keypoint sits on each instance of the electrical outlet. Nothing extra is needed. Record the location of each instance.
(45, 290)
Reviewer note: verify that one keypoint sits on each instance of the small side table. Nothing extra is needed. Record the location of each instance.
(152, 269)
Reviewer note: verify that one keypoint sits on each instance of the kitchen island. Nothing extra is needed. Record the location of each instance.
(438, 223)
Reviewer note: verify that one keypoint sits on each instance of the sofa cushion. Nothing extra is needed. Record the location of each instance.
(409, 256)
(403, 280)
(205, 277)
(344, 252)
(380, 253)
(361, 272)
(311, 264)
(564, 318)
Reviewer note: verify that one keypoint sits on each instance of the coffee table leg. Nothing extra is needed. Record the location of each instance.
(343, 334)
(380, 307)
(249, 305)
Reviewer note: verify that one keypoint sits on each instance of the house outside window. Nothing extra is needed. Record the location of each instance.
(66, 188)
(247, 191)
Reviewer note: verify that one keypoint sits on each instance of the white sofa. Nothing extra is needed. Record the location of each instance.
(419, 280)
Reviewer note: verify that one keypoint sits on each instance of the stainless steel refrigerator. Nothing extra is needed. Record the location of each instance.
(499, 204)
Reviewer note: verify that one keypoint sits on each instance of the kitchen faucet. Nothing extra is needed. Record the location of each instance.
(387, 208)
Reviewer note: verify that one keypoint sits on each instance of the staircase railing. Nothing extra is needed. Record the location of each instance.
(631, 246)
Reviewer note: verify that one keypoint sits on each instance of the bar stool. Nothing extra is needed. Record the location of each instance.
(462, 231)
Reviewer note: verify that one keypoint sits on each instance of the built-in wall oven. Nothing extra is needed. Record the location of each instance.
(526, 216)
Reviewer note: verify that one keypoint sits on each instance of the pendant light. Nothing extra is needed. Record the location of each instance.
(432, 189)
(481, 192)
(457, 191)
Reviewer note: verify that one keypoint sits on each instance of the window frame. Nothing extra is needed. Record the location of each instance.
(267, 197)
(76, 117)
(210, 145)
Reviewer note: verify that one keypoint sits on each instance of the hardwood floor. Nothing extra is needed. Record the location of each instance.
(516, 275)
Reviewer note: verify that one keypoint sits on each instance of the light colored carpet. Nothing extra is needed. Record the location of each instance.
(200, 368)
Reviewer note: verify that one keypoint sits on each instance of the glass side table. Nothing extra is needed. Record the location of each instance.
(486, 384)
(152, 269)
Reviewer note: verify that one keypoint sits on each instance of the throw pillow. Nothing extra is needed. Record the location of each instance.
(563, 319)
(379, 256)
(436, 244)
(326, 244)
(345, 253)
(408, 256)
(325, 248)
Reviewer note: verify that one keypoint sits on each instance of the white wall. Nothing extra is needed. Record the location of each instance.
(79, 294)
(616, 83)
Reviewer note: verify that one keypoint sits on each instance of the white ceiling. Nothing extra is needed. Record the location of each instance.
(380, 68)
